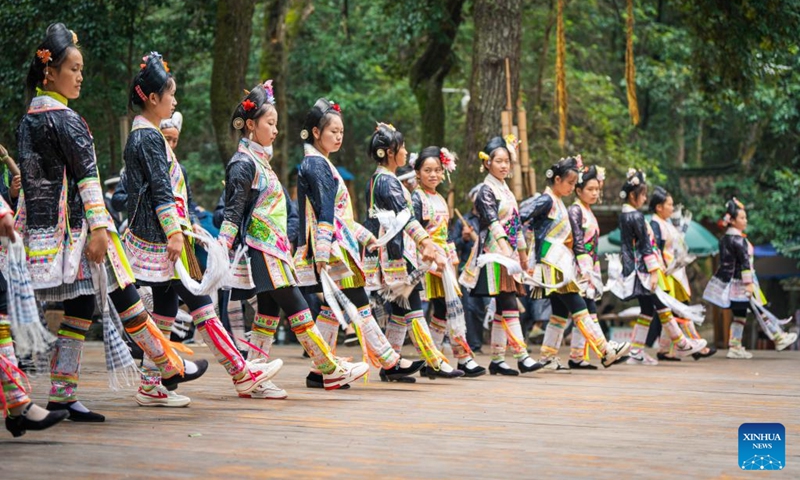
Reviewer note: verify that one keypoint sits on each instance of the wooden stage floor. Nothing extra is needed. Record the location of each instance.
(676, 420)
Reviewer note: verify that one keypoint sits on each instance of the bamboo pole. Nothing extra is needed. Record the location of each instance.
(473, 235)
(10, 163)
(528, 172)
(506, 119)
(506, 115)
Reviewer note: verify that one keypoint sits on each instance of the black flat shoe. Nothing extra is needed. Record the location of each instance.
(496, 369)
(432, 374)
(532, 368)
(314, 380)
(350, 339)
(667, 358)
(20, 424)
(172, 382)
(582, 365)
(75, 415)
(471, 372)
(396, 373)
(711, 351)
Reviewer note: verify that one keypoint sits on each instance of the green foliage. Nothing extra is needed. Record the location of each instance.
(717, 84)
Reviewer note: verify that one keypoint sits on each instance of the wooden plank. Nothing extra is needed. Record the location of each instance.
(676, 419)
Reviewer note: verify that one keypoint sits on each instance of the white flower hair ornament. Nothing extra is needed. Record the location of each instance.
(601, 174)
(412, 159)
(512, 143)
(448, 160)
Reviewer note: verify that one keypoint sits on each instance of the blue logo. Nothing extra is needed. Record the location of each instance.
(762, 446)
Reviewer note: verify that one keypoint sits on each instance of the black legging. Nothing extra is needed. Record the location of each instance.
(414, 301)
(165, 299)
(566, 304)
(649, 304)
(506, 302)
(739, 309)
(84, 305)
(288, 299)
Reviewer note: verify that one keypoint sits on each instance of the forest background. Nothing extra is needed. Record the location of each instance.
(717, 85)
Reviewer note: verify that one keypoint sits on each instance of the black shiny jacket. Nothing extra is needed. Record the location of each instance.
(537, 213)
(579, 246)
(385, 192)
(734, 257)
(47, 143)
(147, 183)
(635, 242)
(240, 198)
(119, 200)
(316, 183)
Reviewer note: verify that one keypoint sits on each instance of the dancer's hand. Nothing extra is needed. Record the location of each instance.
(7, 227)
(372, 245)
(175, 247)
(653, 281)
(428, 251)
(751, 289)
(505, 248)
(523, 261)
(321, 266)
(15, 187)
(98, 245)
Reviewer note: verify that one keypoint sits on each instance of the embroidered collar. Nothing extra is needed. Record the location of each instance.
(384, 171)
(310, 151)
(54, 95)
(627, 208)
(494, 181)
(256, 150)
(734, 231)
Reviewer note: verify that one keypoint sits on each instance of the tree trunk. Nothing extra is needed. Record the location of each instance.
(680, 141)
(698, 146)
(429, 71)
(275, 47)
(498, 35)
(273, 65)
(231, 51)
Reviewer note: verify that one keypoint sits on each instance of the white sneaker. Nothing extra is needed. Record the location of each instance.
(258, 372)
(739, 353)
(786, 340)
(266, 390)
(641, 358)
(553, 364)
(689, 346)
(615, 351)
(345, 373)
(160, 397)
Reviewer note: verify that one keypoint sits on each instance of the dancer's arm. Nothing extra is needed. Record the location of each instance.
(585, 261)
(238, 181)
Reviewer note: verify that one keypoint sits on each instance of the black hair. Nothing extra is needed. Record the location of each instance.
(635, 184)
(319, 116)
(732, 208)
(261, 100)
(385, 138)
(659, 196)
(493, 145)
(428, 152)
(153, 77)
(562, 169)
(589, 173)
(51, 53)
